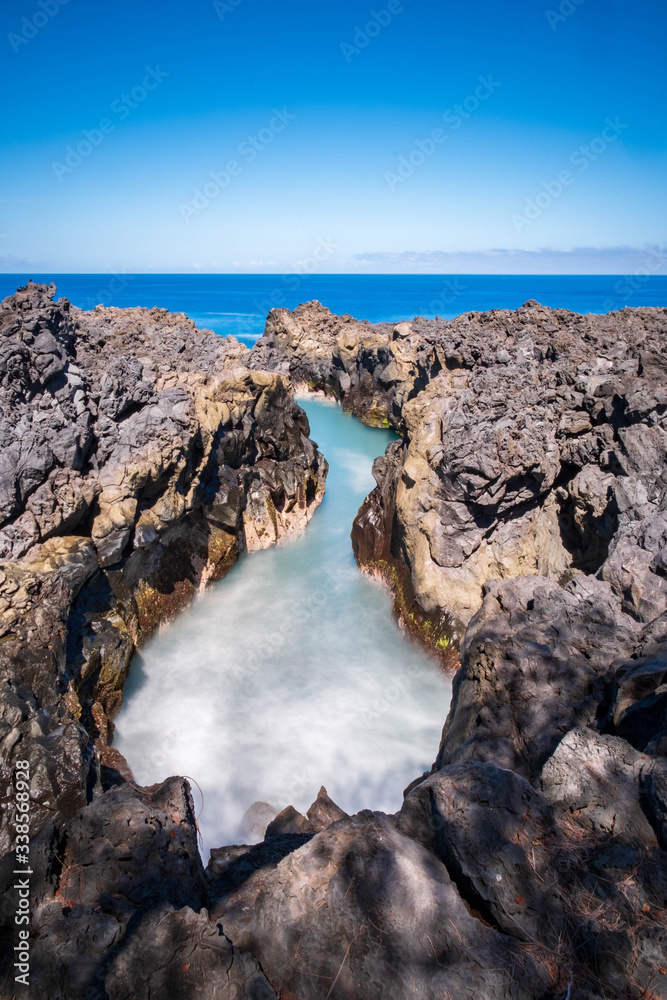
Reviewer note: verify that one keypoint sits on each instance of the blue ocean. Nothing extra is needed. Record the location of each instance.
(238, 304)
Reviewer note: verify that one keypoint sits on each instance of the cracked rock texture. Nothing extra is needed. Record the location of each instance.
(529, 862)
(521, 517)
(118, 906)
(140, 456)
(534, 442)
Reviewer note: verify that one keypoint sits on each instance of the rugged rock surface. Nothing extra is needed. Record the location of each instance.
(118, 906)
(362, 910)
(523, 513)
(534, 442)
(525, 504)
(140, 456)
(530, 862)
(537, 662)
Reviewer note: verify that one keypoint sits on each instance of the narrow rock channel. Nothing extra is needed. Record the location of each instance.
(290, 673)
(524, 512)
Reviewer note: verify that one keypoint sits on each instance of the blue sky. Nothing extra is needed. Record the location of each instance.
(329, 141)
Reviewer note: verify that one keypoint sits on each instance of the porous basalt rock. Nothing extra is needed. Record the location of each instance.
(522, 514)
(523, 506)
(529, 862)
(140, 457)
(537, 662)
(362, 906)
(534, 442)
(118, 905)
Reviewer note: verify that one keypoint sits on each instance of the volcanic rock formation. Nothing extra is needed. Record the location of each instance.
(534, 442)
(521, 519)
(524, 514)
(139, 458)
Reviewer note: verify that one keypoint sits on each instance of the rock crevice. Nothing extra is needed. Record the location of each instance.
(521, 518)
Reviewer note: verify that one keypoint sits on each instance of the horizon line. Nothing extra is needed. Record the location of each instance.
(330, 274)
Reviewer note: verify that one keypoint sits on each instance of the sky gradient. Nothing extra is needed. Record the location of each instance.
(248, 135)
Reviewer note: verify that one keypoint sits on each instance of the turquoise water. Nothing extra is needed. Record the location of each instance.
(290, 673)
(238, 304)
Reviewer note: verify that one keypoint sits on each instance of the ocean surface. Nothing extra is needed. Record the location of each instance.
(291, 673)
(238, 304)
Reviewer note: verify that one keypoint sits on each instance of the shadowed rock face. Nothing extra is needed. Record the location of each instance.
(537, 661)
(118, 905)
(362, 906)
(531, 860)
(524, 508)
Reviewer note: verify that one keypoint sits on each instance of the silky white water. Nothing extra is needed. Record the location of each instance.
(291, 673)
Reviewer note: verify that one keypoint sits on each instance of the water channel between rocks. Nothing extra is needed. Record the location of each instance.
(291, 672)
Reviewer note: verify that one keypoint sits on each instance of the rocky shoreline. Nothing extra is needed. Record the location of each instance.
(140, 458)
(520, 521)
(532, 444)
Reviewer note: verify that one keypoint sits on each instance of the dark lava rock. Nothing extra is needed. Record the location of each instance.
(140, 457)
(361, 909)
(118, 905)
(536, 662)
(534, 442)
(525, 502)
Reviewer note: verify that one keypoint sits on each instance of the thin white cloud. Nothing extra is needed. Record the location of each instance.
(540, 260)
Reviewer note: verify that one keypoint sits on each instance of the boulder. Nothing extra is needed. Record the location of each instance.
(536, 662)
(598, 780)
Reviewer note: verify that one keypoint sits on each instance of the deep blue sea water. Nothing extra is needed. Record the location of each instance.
(238, 304)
